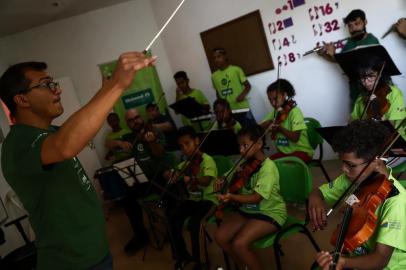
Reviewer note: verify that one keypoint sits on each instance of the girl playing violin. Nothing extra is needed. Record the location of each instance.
(262, 210)
(357, 144)
(289, 131)
(198, 176)
(224, 117)
(387, 103)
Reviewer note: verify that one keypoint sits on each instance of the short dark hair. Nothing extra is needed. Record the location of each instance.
(223, 102)
(353, 15)
(254, 132)
(112, 114)
(366, 138)
(186, 131)
(220, 50)
(14, 82)
(151, 105)
(180, 74)
(282, 85)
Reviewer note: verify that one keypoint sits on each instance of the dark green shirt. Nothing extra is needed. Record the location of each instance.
(64, 209)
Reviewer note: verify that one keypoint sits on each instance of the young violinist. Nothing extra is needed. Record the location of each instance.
(224, 117)
(289, 131)
(387, 103)
(262, 210)
(198, 174)
(358, 144)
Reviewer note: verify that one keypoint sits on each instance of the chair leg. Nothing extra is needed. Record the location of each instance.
(278, 251)
(324, 171)
(310, 237)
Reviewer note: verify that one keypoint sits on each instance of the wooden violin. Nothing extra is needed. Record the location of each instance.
(282, 115)
(379, 104)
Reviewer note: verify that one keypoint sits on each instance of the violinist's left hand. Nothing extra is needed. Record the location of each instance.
(380, 167)
(225, 197)
(324, 259)
(150, 136)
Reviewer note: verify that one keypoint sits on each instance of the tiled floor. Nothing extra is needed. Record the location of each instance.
(299, 253)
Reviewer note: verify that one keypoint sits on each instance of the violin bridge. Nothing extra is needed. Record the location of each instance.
(352, 199)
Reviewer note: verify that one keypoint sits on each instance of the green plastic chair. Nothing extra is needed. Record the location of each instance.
(295, 185)
(403, 183)
(315, 140)
(399, 169)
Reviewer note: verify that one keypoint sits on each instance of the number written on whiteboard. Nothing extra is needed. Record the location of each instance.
(279, 43)
(289, 58)
(317, 12)
(327, 27)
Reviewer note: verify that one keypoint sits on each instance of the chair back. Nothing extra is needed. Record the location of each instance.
(223, 164)
(314, 137)
(295, 179)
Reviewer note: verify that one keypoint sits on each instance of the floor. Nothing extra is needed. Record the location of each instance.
(298, 252)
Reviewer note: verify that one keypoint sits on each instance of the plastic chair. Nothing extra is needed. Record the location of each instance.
(315, 140)
(295, 185)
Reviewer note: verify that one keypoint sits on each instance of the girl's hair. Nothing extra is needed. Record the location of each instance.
(282, 85)
(254, 132)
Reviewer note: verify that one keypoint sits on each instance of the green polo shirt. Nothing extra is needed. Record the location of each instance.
(391, 225)
(265, 182)
(63, 207)
(396, 112)
(294, 122)
(229, 84)
(207, 168)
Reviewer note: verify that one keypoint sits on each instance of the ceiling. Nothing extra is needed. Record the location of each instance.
(20, 15)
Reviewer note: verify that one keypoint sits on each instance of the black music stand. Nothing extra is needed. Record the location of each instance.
(220, 142)
(350, 60)
(398, 149)
(188, 107)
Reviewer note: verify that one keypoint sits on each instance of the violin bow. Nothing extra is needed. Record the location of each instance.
(345, 197)
(373, 90)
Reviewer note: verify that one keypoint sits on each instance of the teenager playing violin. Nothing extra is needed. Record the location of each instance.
(289, 131)
(198, 174)
(358, 144)
(387, 102)
(262, 210)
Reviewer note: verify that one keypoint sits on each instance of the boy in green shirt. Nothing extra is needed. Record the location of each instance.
(224, 117)
(197, 175)
(262, 209)
(289, 136)
(117, 148)
(231, 84)
(358, 146)
(39, 162)
(183, 91)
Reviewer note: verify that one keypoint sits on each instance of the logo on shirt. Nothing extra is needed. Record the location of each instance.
(391, 225)
(140, 147)
(84, 180)
(282, 142)
(227, 92)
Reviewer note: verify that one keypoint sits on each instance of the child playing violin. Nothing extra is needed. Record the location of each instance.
(387, 103)
(289, 131)
(198, 174)
(359, 144)
(224, 117)
(262, 210)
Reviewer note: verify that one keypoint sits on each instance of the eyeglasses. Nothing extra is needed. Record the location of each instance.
(368, 77)
(53, 86)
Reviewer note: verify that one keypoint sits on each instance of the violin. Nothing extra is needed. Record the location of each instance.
(363, 222)
(379, 104)
(282, 115)
(237, 183)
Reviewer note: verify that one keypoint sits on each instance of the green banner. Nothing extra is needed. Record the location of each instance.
(145, 88)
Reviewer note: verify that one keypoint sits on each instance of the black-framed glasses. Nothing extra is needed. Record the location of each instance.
(53, 86)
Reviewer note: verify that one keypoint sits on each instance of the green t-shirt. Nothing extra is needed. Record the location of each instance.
(119, 154)
(396, 112)
(391, 229)
(201, 99)
(294, 122)
(207, 168)
(355, 85)
(64, 209)
(229, 84)
(265, 182)
(236, 127)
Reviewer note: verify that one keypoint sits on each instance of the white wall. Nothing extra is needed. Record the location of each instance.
(75, 46)
(321, 89)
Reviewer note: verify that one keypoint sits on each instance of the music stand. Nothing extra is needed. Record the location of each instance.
(349, 60)
(188, 107)
(130, 171)
(220, 142)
